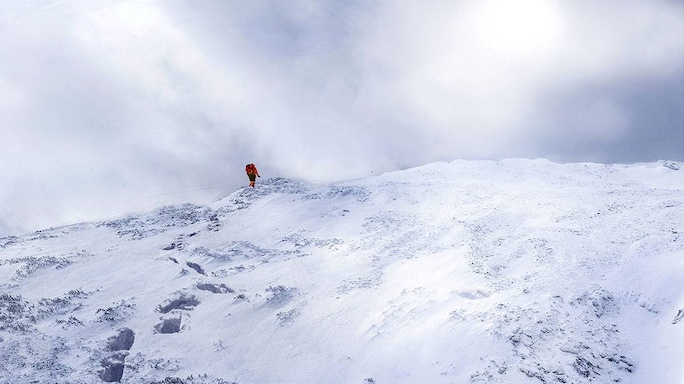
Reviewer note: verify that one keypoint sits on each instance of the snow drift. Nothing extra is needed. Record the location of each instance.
(520, 271)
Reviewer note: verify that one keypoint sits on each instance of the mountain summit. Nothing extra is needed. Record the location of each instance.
(519, 271)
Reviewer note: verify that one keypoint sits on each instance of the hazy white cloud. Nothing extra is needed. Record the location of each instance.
(475, 78)
(110, 106)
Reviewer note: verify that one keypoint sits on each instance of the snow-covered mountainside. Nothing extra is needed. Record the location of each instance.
(520, 271)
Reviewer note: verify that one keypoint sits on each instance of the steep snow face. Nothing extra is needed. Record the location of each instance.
(520, 271)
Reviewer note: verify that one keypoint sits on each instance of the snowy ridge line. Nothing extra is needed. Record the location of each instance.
(282, 185)
(520, 271)
(169, 193)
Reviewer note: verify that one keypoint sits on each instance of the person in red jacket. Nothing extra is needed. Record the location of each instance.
(252, 173)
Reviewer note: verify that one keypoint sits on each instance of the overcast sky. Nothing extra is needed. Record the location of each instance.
(110, 107)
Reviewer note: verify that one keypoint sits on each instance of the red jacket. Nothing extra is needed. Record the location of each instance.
(251, 169)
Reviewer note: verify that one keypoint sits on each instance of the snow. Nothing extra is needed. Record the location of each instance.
(519, 271)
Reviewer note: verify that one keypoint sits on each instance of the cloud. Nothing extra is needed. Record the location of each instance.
(441, 67)
(116, 106)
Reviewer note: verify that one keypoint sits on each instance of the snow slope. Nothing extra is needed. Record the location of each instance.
(520, 271)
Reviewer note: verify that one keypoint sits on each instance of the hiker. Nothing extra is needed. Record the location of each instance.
(252, 173)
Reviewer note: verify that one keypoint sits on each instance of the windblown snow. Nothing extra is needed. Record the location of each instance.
(519, 271)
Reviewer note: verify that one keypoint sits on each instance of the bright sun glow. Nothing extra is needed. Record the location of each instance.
(521, 27)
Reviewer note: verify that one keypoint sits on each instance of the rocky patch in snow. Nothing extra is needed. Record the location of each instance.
(183, 302)
(169, 325)
(113, 365)
(159, 221)
(215, 288)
